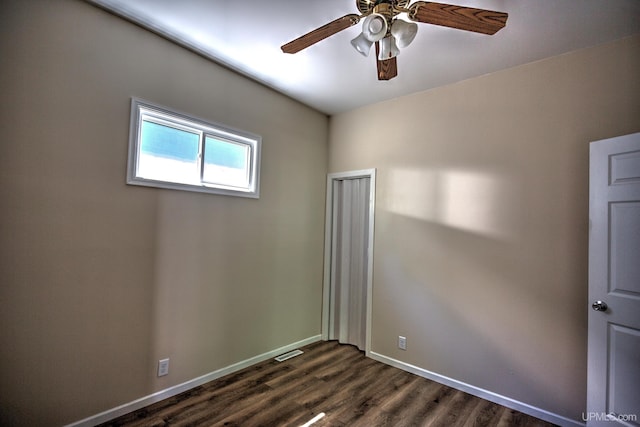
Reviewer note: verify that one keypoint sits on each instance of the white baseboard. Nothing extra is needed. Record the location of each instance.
(479, 392)
(177, 389)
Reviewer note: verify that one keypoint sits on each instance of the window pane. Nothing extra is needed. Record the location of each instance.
(226, 163)
(173, 150)
(168, 154)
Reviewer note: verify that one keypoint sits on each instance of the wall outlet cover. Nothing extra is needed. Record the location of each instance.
(163, 367)
(402, 342)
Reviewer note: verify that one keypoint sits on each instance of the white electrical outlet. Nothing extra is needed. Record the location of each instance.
(402, 342)
(163, 367)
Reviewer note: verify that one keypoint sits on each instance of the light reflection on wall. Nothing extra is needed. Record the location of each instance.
(475, 201)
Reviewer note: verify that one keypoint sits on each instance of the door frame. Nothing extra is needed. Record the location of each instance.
(328, 244)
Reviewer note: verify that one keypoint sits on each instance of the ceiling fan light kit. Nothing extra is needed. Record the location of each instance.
(388, 48)
(362, 45)
(374, 28)
(404, 32)
(382, 26)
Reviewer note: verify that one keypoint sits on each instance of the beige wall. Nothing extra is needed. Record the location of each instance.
(99, 280)
(481, 234)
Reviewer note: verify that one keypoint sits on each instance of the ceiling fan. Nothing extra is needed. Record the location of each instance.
(382, 27)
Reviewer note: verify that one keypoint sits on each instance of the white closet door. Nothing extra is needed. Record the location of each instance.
(349, 261)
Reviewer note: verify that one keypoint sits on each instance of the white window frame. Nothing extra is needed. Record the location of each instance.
(141, 110)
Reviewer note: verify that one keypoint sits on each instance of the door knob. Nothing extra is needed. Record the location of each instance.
(599, 306)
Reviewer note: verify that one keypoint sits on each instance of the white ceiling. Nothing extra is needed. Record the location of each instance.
(332, 77)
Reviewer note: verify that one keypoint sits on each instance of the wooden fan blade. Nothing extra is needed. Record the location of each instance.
(388, 68)
(459, 17)
(320, 33)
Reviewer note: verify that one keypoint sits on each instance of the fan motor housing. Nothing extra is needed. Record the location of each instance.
(366, 6)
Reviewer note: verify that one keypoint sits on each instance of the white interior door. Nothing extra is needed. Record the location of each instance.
(613, 380)
(348, 258)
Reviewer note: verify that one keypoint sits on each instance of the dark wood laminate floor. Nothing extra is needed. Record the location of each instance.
(337, 380)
